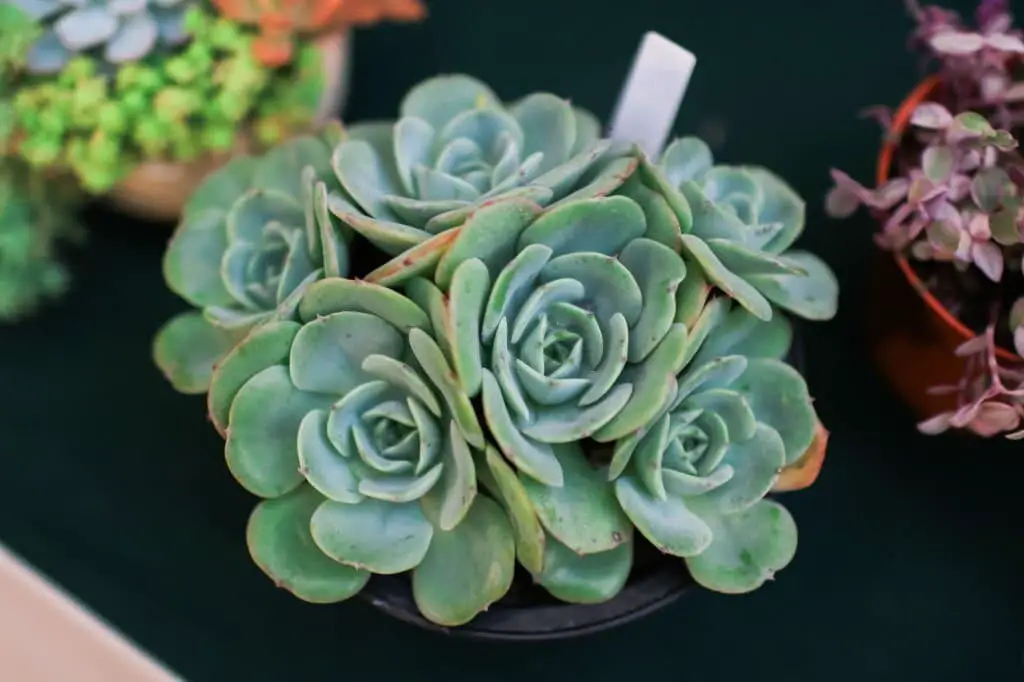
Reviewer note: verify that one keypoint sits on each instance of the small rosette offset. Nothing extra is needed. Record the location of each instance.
(455, 146)
(253, 237)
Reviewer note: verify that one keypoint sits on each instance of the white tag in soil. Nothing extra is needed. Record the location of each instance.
(649, 103)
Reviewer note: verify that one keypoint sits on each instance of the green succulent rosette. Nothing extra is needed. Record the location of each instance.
(744, 221)
(694, 480)
(455, 146)
(252, 238)
(348, 421)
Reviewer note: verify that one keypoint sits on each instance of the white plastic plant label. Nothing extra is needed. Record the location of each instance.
(649, 102)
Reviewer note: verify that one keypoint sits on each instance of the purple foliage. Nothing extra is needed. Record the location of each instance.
(960, 195)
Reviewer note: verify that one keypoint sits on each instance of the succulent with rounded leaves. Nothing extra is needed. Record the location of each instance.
(745, 219)
(347, 421)
(693, 481)
(176, 109)
(454, 147)
(252, 238)
(281, 22)
(121, 31)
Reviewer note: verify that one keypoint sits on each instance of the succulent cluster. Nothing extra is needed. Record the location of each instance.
(570, 345)
(956, 197)
(99, 127)
(280, 22)
(115, 31)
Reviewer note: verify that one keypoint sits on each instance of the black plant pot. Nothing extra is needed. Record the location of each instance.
(528, 613)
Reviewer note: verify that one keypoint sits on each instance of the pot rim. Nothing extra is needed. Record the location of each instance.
(885, 160)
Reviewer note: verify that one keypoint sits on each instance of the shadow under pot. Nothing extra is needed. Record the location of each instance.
(917, 313)
(529, 613)
(158, 191)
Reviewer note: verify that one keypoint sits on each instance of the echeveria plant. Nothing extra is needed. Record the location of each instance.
(118, 31)
(281, 22)
(455, 146)
(100, 126)
(349, 423)
(954, 202)
(252, 238)
(571, 344)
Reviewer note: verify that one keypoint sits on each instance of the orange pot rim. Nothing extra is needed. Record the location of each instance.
(899, 123)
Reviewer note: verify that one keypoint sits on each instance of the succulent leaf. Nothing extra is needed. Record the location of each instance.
(748, 548)
(585, 579)
(281, 544)
(187, 347)
(467, 568)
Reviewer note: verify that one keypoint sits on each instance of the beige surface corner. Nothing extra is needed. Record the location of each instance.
(45, 636)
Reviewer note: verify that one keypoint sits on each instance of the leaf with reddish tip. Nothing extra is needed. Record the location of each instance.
(419, 260)
(339, 295)
(804, 471)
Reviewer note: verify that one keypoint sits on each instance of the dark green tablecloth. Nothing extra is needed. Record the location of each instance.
(911, 560)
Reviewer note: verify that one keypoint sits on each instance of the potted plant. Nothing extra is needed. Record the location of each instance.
(140, 101)
(552, 361)
(36, 213)
(949, 332)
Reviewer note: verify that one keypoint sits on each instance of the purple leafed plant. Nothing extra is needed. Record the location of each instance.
(954, 204)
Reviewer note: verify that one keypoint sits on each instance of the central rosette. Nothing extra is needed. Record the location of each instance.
(555, 317)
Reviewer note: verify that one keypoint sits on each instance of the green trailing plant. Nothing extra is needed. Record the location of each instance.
(117, 31)
(252, 237)
(536, 378)
(99, 126)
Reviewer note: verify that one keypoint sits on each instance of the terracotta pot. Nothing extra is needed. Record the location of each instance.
(912, 335)
(158, 191)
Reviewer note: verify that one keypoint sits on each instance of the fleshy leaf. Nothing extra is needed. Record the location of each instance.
(686, 158)
(281, 545)
(748, 548)
(529, 456)
(777, 395)
(381, 537)
(328, 353)
(467, 568)
(440, 99)
(582, 514)
(756, 463)
(337, 294)
(814, 296)
(264, 347)
(526, 527)
(670, 525)
(323, 466)
(187, 348)
(262, 451)
(191, 264)
(586, 579)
